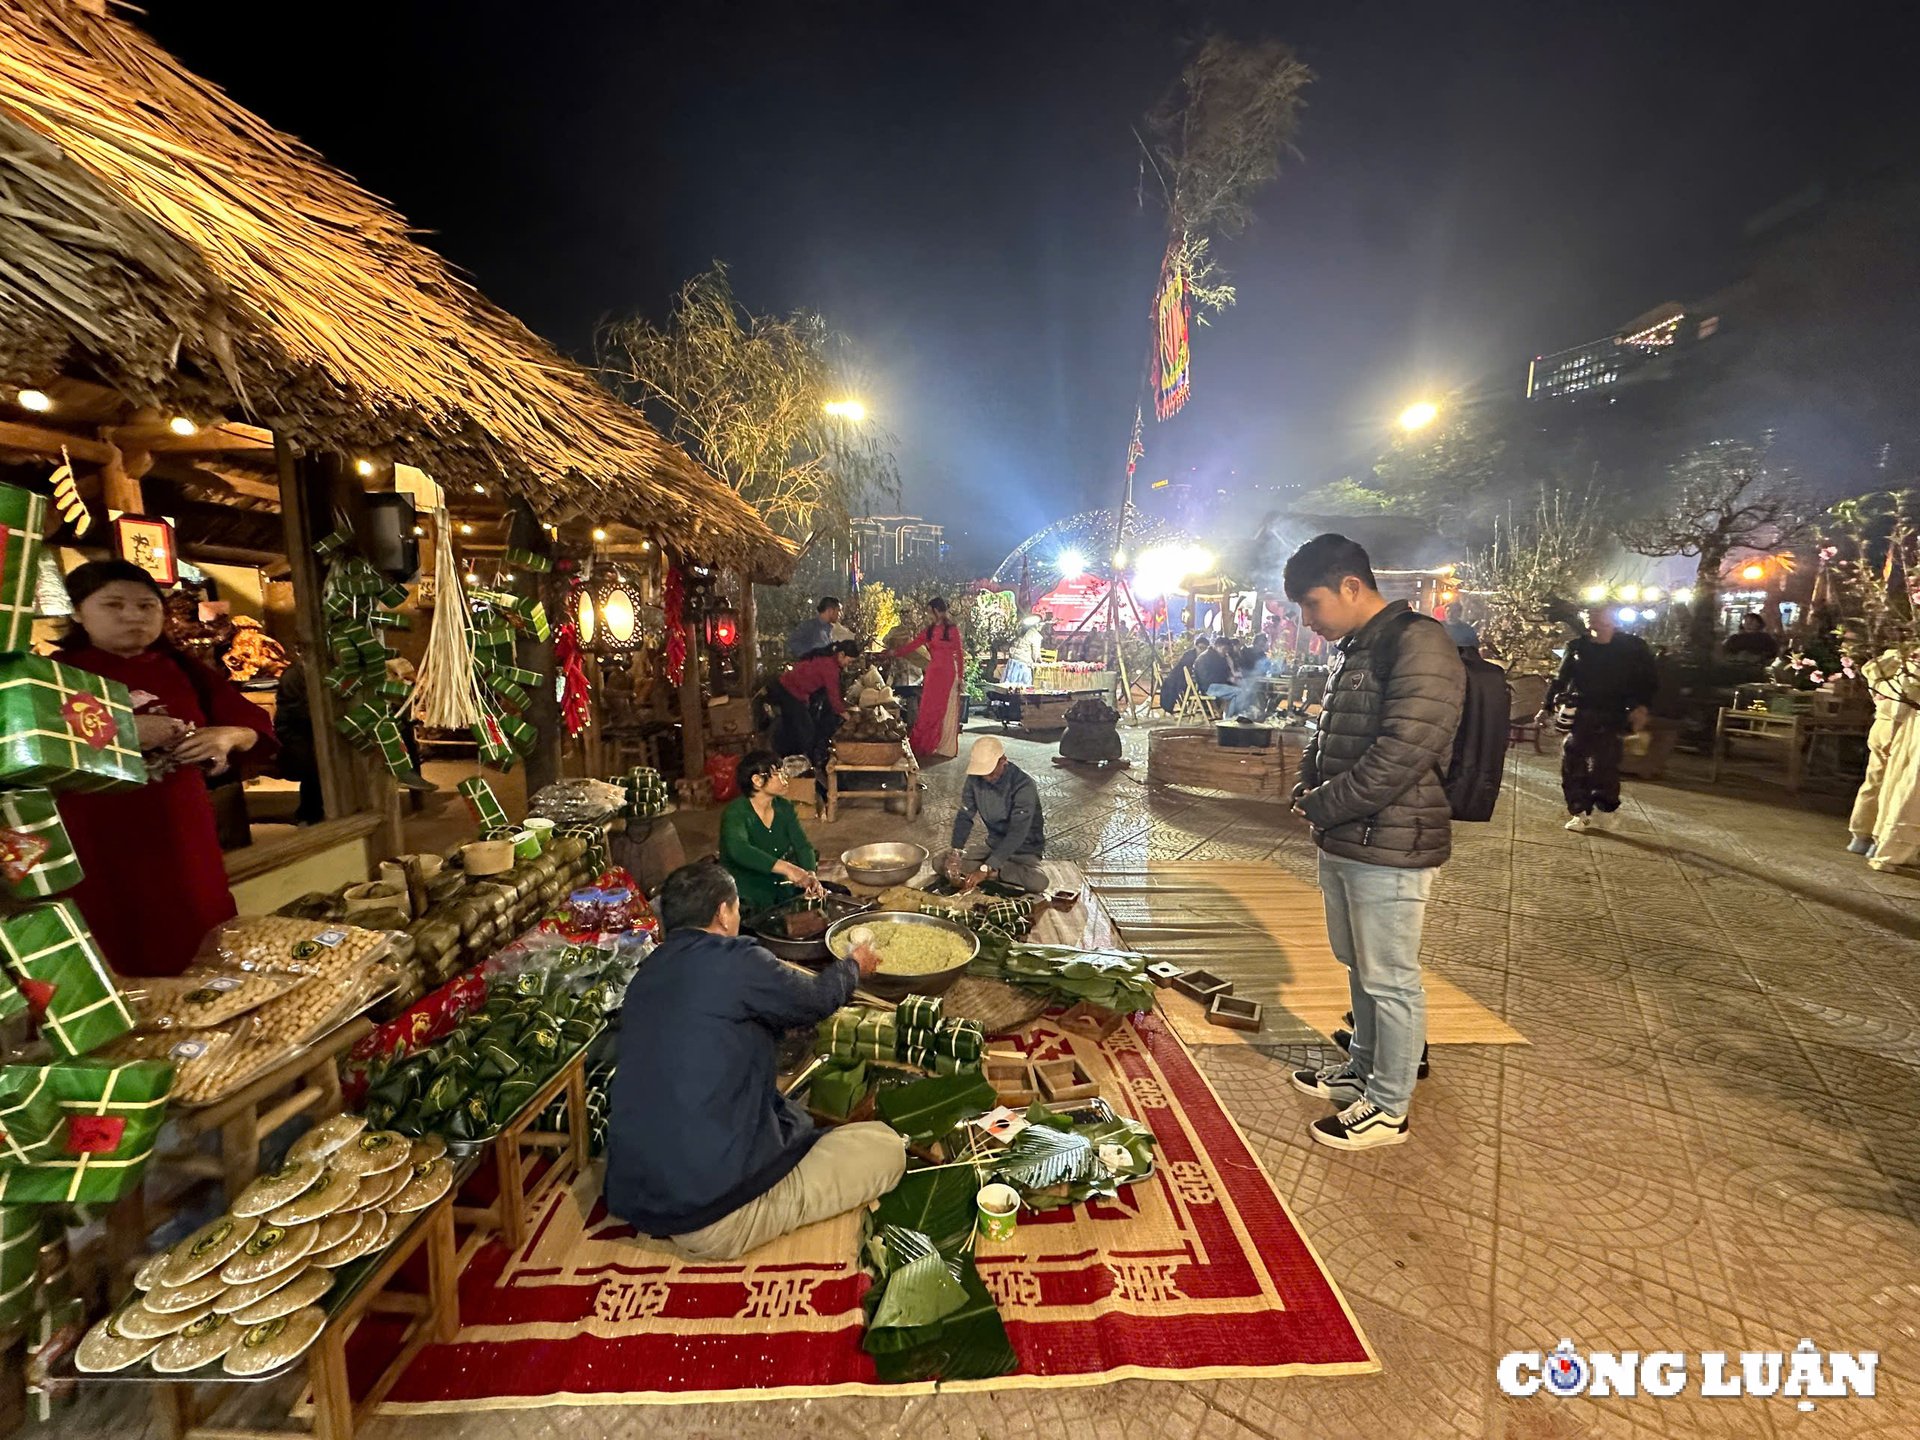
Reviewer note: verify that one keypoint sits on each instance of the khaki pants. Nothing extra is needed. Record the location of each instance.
(1021, 870)
(1866, 804)
(845, 1169)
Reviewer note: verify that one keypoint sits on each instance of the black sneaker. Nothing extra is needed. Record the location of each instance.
(1344, 1039)
(1330, 1082)
(1363, 1125)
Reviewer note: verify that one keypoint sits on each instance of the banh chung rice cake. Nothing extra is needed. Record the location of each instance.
(907, 949)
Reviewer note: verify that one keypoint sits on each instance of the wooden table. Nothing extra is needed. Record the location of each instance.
(1799, 734)
(306, 1084)
(516, 1145)
(434, 1318)
(904, 767)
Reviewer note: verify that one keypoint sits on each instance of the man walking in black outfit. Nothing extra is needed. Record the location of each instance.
(1609, 678)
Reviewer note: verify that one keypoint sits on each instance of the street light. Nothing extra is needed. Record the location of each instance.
(1754, 572)
(1419, 415)
(851, 410)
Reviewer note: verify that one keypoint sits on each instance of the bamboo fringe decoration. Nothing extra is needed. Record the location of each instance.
(446, 693)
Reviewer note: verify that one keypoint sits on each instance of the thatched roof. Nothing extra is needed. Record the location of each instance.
(159, 237)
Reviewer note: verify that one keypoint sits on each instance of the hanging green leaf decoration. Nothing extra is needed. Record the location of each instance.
(928, 1109)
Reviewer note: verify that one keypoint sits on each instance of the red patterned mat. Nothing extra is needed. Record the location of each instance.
(1197, 1273)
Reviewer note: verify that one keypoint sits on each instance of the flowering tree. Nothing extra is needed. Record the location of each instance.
(1870, 577)
(746, 395)
(1723, 501)
(1529, 575)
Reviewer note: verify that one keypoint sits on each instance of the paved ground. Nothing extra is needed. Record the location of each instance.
(1710, 1144)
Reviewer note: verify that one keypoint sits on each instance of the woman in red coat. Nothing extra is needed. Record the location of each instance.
(936, 729)
(155, 881)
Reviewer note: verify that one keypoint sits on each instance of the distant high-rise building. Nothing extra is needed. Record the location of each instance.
(897, 542)
(1600, 367)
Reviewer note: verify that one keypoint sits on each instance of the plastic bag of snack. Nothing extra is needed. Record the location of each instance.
(290, 945)
(200, 1056)
(205, 996)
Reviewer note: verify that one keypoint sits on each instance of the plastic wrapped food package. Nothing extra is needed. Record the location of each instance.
(574, 802)
(285, 943)
(202, 1058)
(206, 995)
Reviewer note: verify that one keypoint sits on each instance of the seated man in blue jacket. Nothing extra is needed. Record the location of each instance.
(1006, 802)
(703, 1152)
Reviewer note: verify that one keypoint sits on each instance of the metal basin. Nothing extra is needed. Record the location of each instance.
(768, 929)
(889, 863)
(894, 987)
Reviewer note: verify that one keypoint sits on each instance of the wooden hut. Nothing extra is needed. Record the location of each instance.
(211, 322)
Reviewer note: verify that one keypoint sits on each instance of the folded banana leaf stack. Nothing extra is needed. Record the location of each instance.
(1114, 980)
(483, 1074)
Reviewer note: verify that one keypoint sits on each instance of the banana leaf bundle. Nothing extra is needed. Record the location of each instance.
(929, 1317)
(1114, 980)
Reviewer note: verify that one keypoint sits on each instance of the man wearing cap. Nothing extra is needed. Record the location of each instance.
(1005, 800)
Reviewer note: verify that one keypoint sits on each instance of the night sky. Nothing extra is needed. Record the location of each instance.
(955, 187)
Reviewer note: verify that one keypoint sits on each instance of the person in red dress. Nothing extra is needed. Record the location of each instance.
(936, 729)
(155, 881)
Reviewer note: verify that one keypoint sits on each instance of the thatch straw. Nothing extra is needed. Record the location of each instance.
(188, 254)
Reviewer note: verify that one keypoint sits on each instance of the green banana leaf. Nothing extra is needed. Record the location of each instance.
(1040, 1157)
(921, 1288)
(968, 1344)
(927, 1109)
(937, 1203)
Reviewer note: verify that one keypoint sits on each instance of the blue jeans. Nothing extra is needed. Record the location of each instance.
(1374, 917)
(1225, 695)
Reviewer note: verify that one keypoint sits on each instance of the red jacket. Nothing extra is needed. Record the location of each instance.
(808, 677)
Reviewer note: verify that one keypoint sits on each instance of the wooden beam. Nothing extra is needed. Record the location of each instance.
(214, 440)
(47, 442)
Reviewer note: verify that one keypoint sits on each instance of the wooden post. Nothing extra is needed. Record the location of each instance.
(749, 640)
(693, 711)
(532, 653)
(313, 489)
(298, 523)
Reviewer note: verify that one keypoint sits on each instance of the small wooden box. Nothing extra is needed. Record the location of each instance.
(1164, 973)
(1065, 1080)
(1234, 1013)
(1202, 985)
(1012, 1080)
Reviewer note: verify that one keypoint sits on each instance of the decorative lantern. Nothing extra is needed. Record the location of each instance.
(723, 628)
(615, 615)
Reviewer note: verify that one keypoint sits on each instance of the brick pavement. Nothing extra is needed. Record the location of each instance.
(1710, 1142)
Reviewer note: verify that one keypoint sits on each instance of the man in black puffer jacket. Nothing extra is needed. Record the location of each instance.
(1372, 786)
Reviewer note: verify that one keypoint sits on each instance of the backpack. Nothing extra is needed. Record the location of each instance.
(1479, 762)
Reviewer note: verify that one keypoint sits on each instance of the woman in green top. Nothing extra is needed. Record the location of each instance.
(761, 842)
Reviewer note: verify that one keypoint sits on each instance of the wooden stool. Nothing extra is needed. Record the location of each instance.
(906, 767)
(515, 1146)
(435, 1319)
(306, 1084)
